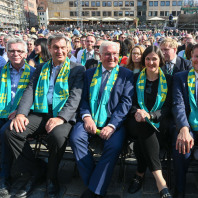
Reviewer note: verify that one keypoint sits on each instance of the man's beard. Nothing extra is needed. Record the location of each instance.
(96, 57)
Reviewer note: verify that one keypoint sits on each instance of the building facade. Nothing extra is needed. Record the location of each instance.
(12, 15)
(30, 7)
(64, 10)
(42, 10)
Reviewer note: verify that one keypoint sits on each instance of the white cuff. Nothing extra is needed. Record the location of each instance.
(85, 115)
(111, 125)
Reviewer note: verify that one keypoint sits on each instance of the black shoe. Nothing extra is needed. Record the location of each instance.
(164, 193)
(52, 189)
(4, 187)
(89, 194)
(136, 184)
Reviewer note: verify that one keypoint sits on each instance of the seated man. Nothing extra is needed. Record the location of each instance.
(185, 111)
(15, 76)
(106, 100)
(55, 91)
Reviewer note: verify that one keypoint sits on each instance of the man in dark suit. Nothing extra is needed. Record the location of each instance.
(93, 62)
(106, 100)
(55, 91)
(186, 116)
(174, 63)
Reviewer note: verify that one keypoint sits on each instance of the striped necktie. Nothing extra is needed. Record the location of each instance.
(169, 68)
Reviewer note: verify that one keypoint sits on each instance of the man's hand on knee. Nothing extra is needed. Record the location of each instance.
(19, 122)
(89, 125)
(106, 132)
(53, 122)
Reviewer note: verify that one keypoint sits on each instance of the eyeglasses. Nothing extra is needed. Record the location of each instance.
(18, 51)
(96, 46)
(136, 54)
(123, 37)
(111, 54)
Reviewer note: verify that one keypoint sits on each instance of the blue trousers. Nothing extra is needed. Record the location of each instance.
(181, 164)
(6, 155)
(96, 176)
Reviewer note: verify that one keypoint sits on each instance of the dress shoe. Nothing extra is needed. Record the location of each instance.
(136, 184)
(52, 189)
(89, 194)
(4, 187)
(164, 193)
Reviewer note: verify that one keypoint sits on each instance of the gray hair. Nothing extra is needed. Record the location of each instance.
(8, 37)
(16, 40)
(107, 44)
(56, 37)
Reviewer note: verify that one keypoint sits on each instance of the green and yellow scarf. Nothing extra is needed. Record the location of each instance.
(61, 88)
(193, 117)
(99, 112)
(83, 58)
(161, 95)
(40, 60)
(5, 90)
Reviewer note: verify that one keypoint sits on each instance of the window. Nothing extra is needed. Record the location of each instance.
(109, 4)
(143, 13)
(139, 3)
(93, 13)
(86, 3)
(85, 13)
(120, 13)
(139, 13)
(155, 13)
(166, 13)
(144, 3)
(178, 13)
(126, 5)
(167, 3)
(174, 3)
(115, 3)
(126, 13)
(71, 13)
(150, 13)
(179, 3)
(71, 4)
(155, 3)
(115, 13)
(174, 13)
(93, 4)
(75, 4)
(131, 3)
(83, 3)
(97, 3)
(131, 13)
(120, 3)
(162, 3)
(150, 3)
(104, 4)
(105, 13)
(161, 13)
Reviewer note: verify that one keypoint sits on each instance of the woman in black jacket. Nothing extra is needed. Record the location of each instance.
(151, 105)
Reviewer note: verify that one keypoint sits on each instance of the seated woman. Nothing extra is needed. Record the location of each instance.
(135, 59)
(41, 51)
(151, 105)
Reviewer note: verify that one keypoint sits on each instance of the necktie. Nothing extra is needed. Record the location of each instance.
(169, 69)
(105, 77)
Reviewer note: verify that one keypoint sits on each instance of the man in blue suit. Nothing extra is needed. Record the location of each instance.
(185, 111)
(106, 100)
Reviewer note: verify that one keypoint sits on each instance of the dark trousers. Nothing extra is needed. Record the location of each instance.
(181, 163)
(147, 144)
(56, 141)
(6, 154)
(96, 176)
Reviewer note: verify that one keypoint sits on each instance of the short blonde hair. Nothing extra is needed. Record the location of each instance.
(172, 43)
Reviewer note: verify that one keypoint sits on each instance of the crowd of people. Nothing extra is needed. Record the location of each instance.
(115, 86)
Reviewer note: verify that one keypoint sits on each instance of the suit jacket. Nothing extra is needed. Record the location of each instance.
(91, 63)
(75, 82)
(181, 65)
(181, 106)
(160, 114)
(120, 100)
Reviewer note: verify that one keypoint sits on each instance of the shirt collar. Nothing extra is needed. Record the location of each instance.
(57, 65)
(91, 52)
(174, 60)
(196, 75)
(103, 69)
(11, 67)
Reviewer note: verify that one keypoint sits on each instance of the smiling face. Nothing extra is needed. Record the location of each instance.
(110, 57)
(152, 62)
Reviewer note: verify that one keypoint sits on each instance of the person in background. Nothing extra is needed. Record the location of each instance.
(41, 51)
(30, 48)
(135, 59)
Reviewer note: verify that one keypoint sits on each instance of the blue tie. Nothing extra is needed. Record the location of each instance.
(105, 77)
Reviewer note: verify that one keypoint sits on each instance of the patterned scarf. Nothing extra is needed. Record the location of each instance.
(99, 112)
(61, 88)
(5, 90)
